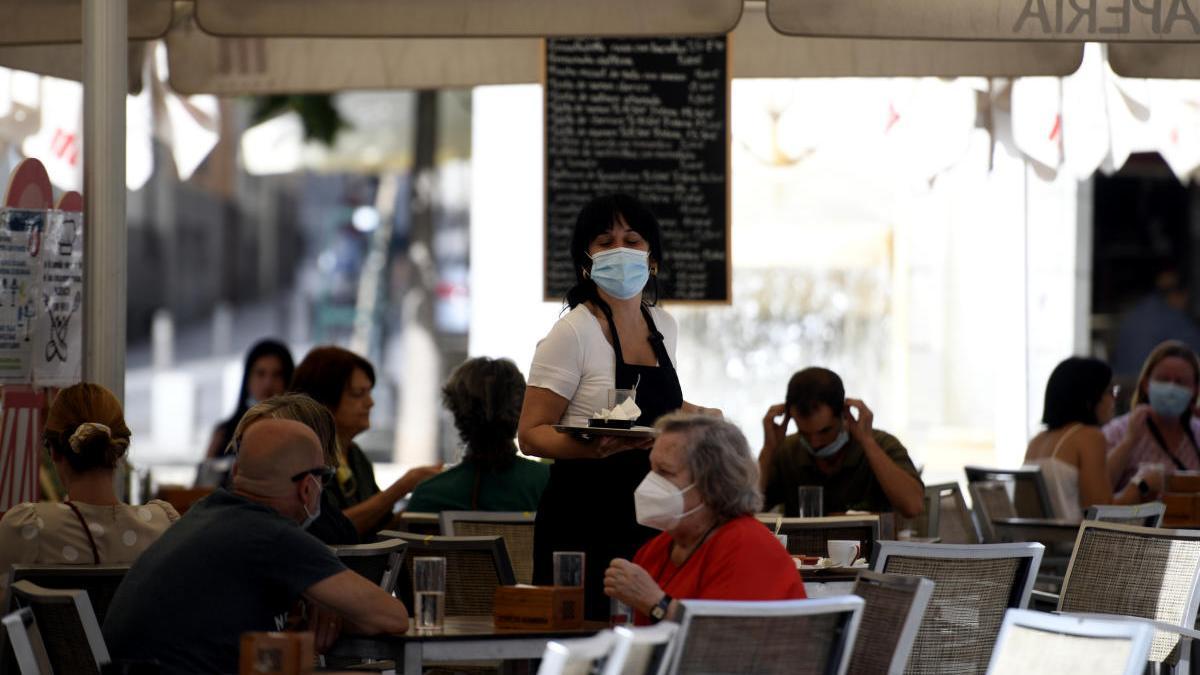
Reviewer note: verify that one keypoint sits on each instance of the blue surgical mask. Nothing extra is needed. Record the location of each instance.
(1169, 399)
(621, 272)
(830, 450)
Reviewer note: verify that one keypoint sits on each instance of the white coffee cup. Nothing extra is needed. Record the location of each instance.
(843, 552)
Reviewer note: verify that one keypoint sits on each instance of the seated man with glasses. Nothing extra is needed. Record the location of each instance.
(239, 559)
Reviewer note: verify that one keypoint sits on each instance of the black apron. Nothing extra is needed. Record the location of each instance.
(588, 503)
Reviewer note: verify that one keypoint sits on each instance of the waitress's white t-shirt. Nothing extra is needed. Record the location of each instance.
(577, 363)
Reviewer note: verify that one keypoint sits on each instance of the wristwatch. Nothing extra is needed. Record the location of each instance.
(659, 611)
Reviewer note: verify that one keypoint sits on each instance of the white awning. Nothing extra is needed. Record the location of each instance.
(1052, 20)
(462, 18)
(26, 22)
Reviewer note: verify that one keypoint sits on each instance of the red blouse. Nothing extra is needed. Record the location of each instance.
(741, 560)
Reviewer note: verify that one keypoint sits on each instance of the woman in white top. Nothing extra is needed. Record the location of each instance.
(86, 435)
(612, 337)
(1072, 450)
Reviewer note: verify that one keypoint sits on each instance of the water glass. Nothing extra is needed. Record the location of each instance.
(568, 568)
(782, 540)
(620, 614)
(429, 591)
(812, 501)
(618, 396)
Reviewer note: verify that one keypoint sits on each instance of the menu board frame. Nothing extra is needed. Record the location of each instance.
(727, 229)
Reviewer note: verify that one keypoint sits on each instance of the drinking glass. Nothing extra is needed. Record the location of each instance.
(620, 614)
(812, 501)
(618, 396)
(568, 568)
(429, 591)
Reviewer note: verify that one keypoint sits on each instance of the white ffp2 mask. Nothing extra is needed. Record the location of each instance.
(659, 504)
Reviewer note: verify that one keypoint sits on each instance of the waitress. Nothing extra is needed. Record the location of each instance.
(612, 338)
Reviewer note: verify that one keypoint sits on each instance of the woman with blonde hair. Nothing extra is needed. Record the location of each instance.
(332, 526)
(86, 435)
(1160, 427)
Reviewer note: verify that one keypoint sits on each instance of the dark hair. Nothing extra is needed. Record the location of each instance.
(261, 349)
(485, 397)
(812, 388)
(1074, 390)
(325, 372)
(86, 427)
(597, 217)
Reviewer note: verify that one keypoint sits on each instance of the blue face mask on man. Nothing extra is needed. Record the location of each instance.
(1169, 399)
(830, 450)
(621, 272)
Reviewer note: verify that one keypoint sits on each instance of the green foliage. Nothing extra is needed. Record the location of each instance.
(320, 118)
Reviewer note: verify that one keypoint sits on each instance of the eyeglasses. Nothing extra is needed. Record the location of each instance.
(323, 473)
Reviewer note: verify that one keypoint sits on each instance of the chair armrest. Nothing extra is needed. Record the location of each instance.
(1182, 631)
(1043, 596)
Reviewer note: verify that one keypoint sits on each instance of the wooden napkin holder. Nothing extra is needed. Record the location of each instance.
(538, 607)
(276, 654)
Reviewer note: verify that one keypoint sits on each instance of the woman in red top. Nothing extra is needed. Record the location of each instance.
(702, 491)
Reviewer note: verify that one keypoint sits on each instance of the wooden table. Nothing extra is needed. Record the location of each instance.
(464, 638)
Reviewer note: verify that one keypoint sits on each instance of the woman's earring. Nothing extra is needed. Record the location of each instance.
(654, 269)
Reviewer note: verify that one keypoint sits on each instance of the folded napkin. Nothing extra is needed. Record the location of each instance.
(627, 410)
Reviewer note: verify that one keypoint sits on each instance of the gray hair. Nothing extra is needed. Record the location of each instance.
(718, 457)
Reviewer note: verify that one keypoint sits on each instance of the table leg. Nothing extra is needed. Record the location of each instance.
(413, 657)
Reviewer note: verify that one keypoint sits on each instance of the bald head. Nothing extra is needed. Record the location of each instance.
(271, 452)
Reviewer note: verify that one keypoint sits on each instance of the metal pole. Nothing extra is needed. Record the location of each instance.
(105, 82)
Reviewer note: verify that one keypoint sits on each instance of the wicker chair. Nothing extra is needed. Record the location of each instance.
(1142, 515)
(420, 523)
(475, 567)
(29, 654)
(810, 536)
(641, 651)
(576, 657)
(378, 561)
(973, 586)
(895, 606)
(949, 518)
(99, 581)
(991, 501)
(1036, 643)
(515, 526)
(1138, 572)
(766, 638)
(1028, 493)
(68, 627)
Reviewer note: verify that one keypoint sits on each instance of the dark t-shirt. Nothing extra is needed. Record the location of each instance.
(517, 488)
(852, 486)
(228, 566)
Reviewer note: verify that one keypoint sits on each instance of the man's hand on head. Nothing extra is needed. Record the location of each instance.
(860, 428)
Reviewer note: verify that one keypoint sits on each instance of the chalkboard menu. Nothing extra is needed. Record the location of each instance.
(648, 117)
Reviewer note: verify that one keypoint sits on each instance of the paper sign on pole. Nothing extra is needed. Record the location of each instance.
(58, 332)
(20, 244)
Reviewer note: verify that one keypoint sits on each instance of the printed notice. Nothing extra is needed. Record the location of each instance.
(58, 333)
(20, 244)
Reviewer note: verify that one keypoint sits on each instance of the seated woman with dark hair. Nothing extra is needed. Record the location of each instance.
(342, 381)
(702, 492)
(485, 396)
(1072, 450)
(86, 436)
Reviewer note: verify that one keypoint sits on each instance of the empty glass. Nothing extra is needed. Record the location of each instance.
(620, 614)
(618, 396)
(429, 591)
(812, 501)
(568, 568)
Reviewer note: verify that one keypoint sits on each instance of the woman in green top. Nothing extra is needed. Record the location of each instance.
(342, 381)
(485, 397)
